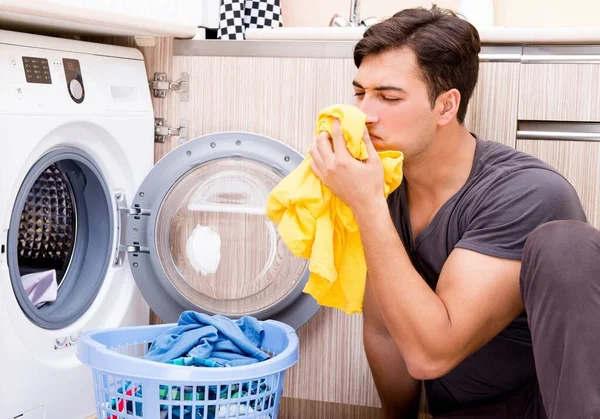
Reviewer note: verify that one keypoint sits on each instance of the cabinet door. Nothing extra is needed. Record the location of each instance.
(492, 112)
(574, 150)
(560, 84)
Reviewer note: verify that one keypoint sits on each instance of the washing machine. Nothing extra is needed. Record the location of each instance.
(93, 234)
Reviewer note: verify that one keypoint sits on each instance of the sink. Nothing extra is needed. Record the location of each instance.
(307, 33)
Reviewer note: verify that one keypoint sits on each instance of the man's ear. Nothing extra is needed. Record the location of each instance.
(447, 105)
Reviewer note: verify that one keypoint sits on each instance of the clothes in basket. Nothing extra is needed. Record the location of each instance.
(203, 340)
(212, 410)
(200, 340)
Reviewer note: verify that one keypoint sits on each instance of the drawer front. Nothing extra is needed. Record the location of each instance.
(560, 83)
(574, 150)
(560, 92)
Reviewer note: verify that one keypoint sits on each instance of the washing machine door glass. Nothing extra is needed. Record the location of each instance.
(217, 251)
(215, 243)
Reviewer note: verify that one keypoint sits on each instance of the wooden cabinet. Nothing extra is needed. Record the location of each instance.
(574, 150)
(560, 92)
(560, 83)
(492, 112)
(276, 97)
(559, 115)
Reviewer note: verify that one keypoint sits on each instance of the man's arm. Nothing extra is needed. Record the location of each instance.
(477, 296)
(398, 391)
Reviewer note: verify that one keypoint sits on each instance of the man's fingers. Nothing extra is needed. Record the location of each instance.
(373, 158)
(339, 142)
(370, 147)
(315, 168)
(323, 144)
(315, 153)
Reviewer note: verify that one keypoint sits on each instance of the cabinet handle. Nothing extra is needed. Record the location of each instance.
(500, 53)
(572, 54)
(558, 131)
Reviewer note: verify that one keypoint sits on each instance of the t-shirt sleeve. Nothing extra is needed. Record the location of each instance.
(504, 215)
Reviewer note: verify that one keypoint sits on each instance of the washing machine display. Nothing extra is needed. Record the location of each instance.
(37, 70)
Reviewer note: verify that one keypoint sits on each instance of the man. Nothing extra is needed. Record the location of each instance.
(473, 285)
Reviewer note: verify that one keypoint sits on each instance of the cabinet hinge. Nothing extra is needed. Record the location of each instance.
(162, 131)
(160, 85)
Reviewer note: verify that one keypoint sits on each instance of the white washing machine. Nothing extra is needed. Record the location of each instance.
(81, 203)
(77, 121)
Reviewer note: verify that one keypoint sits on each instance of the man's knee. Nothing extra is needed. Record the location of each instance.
(559, 240)
(562, 254)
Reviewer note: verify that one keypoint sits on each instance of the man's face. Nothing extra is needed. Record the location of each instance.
(389, 90)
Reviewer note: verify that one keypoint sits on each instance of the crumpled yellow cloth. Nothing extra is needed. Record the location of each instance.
(317, 225)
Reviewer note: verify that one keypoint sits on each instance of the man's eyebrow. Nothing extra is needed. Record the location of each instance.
(380, 88)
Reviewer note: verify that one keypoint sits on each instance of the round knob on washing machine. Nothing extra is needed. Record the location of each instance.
(76, 89)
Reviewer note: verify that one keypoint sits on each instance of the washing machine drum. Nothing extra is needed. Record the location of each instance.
(60, 238)
(198, 238)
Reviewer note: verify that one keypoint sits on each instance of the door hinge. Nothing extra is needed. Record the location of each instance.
(160, 85)
(124, 212)
(162, 131)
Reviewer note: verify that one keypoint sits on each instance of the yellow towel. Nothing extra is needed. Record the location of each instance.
(316, 225)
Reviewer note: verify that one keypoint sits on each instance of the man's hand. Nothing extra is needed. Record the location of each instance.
(357, 183)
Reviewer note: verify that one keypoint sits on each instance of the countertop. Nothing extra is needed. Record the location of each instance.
(488, 35)
(109, 17)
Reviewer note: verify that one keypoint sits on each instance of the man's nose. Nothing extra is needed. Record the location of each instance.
(366, 105)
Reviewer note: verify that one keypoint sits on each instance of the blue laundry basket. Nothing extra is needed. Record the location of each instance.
(127, 386)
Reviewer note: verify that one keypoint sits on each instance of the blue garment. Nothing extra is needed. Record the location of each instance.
(192, 361)
(215, 339)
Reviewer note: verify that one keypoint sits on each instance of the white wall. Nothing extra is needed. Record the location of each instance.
(514, 13)
(547, 13)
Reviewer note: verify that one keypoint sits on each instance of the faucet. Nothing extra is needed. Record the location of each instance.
(354, 21)
(354, 13)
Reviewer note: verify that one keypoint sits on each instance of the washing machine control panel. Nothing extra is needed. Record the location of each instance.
(68, 78)
(37, 70)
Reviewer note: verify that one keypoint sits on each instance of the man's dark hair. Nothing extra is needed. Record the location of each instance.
(446, 47)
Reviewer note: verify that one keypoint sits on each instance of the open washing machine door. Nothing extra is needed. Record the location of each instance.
(198, 239)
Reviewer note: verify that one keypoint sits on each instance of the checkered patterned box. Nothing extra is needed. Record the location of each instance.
(237, 15)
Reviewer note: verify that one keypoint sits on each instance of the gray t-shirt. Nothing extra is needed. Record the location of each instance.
(507, 195)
